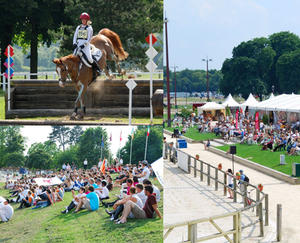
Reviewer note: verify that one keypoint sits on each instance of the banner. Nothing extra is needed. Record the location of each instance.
(256, 121)
(237, 119)
(183, 160)
(48, 181)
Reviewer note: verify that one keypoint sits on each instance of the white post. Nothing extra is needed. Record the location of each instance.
(4, 83)
(146, 147)
(130, 85)
(151, 87)
(8, 78)
(130, 150)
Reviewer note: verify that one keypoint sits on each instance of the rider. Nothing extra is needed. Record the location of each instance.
(81, 41)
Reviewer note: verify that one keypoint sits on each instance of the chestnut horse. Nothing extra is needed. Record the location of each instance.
(71, 66)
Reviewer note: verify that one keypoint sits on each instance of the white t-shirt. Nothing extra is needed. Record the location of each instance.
(138, 202)
(147, 174)
(142, 196)
(85, 162)
(6, 212)
(157, 193)
(105, 192)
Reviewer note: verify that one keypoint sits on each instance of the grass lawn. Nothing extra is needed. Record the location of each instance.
(108, 119)
(2, 106)
(193, 133)
(266, 158)
(49, 225)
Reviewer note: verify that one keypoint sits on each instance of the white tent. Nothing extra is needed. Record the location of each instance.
(158, 168)
(251, 101)
(230, 102)
(284, 102)
(211, 106)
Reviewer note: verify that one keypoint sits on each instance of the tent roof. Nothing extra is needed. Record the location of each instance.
(251, 101)
(284, 102)
(230, 102)
(211, 106)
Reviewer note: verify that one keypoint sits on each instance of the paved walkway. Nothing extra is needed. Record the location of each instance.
(279, 192)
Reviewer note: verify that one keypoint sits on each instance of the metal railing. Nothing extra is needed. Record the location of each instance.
(219, 177)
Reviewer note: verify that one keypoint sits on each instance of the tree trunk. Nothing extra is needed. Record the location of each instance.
(33, 51)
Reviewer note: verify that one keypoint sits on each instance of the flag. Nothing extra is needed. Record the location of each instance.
(236, 118)
(110, 137)
(102, 168)
(148, 131)
(121, 136)
(132, 133)
(256, 121)
(102, 142)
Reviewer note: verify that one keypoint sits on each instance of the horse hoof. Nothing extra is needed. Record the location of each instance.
(73, 116)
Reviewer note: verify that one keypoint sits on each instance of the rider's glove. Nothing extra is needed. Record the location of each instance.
(74, 46)
(82, 46)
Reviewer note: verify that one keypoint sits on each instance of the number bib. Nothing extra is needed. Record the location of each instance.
(82, 34)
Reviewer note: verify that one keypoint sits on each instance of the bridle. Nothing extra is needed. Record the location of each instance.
(65, 69)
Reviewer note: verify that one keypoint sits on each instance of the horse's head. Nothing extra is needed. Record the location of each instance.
(62, 71)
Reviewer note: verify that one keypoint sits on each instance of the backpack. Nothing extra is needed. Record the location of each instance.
(246, 179)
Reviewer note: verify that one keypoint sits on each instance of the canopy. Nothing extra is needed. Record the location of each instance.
(209, 106)
(48, 181)
(251, 101)
(230, 102)
(284, 102)
(158, 168)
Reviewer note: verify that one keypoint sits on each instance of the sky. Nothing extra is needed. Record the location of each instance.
(198, 29)
(35, 134)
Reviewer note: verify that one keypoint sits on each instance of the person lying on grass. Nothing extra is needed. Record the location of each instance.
(90, 201)
(149, 210)
(75, 200)
(119, 205)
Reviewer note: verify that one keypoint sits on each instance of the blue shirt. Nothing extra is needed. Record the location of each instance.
(95, 186)
(94, 200)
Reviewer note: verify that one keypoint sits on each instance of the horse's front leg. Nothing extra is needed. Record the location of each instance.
(79, 88)
(82, 106)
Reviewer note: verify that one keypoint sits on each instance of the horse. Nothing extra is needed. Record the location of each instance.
(71, 66)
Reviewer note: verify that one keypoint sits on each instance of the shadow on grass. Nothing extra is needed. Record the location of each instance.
(69, 216)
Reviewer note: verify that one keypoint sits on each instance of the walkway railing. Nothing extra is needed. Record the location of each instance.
(218, 178)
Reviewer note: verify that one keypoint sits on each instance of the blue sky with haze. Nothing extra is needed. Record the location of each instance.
(200, 28)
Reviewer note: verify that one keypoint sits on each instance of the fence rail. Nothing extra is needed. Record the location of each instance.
(219, 177)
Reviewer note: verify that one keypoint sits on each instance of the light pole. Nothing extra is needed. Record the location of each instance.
(175, 90)
(168, 75)
(207, 82)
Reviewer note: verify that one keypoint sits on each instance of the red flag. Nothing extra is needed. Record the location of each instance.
(121, 136)
(102, 168)
(236, 118)
(148, 131)
(256, 121)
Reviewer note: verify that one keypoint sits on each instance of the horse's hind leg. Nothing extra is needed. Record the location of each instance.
(120, 71)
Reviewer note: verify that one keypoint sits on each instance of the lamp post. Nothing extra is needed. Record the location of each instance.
(175, 90)
(207, 82)
(167, 71)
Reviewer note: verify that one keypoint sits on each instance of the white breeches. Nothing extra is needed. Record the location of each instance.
(86, 50)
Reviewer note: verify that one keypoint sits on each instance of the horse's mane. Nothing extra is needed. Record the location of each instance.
(72, 58)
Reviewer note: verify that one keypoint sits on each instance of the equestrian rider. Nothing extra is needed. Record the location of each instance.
(81, 41)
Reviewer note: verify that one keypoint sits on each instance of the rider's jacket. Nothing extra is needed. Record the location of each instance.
(83, 34)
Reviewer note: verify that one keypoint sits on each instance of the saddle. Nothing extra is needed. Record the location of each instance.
(96, 55)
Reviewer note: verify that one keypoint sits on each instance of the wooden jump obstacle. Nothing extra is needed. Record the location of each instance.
(44, 98)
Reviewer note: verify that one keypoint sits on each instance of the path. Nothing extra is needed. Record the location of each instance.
(279, 192)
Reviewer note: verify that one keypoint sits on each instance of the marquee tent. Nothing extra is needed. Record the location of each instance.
(158, 168)
(211, 106)
(230, 102)
(251, 101)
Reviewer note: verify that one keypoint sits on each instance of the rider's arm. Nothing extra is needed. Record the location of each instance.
(90, 33)
(75, 35)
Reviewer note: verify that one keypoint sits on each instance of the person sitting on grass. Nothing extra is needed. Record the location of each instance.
(89, 201)
(6, 211)
(45, 199)
(141, 194)
(156, 191)
(148, 211)
(119, 205)
(145, 174)
(75, 200)
(28, 201)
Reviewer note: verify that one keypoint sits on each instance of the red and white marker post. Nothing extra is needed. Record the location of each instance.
(9, 52)
(151, 66)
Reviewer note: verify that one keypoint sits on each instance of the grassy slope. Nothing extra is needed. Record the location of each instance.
(49, 225)
(193, 133)
(266, 158)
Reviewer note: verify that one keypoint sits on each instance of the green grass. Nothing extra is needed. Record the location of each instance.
(266, 158)
(194, 134)
(2, 105)
(49, 225)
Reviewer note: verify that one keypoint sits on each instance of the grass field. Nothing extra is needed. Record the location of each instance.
(49, 225)
(194, 134)
(266, 158)
(2, 106)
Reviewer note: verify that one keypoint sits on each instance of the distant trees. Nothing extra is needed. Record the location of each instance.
(259, 64)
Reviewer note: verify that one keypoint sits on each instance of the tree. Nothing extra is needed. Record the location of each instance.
(14, 159)
(89, 146)
(154, 150)
(75, 134)
(61, 135)
(68, 156)
(38, 157)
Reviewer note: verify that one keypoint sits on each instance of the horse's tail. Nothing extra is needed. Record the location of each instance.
(117, 44)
